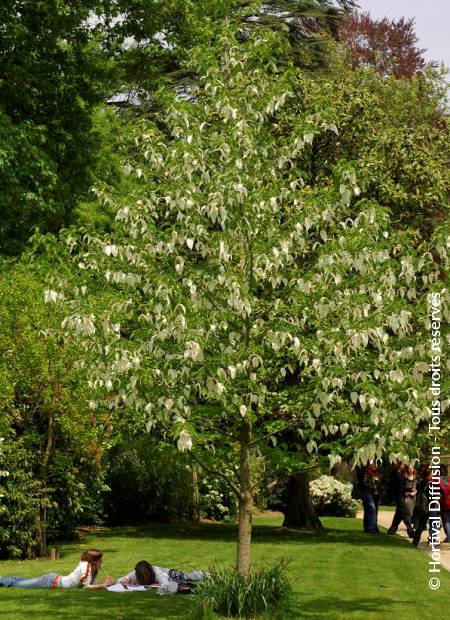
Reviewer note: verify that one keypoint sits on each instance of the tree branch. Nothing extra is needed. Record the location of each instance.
(273, 433)
(216, 472)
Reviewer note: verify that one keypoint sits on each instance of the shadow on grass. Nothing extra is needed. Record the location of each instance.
(262, 534)
(134, 606)
(326, 607)
(100, 604)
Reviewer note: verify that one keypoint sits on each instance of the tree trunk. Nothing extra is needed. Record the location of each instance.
(195, 494)
(44, 479)
(299, 510)
(43, 532)
(245, 504)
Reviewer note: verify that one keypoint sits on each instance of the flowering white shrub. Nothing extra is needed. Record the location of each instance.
(217, 502)
(333, 498)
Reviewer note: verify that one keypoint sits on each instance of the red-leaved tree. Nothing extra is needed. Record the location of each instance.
(388, 45)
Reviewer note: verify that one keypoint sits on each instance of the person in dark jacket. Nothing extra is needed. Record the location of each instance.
(426, 510)
(368, 478)
(397, 488)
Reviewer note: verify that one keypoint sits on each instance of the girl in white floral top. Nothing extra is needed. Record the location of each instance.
(84, 575)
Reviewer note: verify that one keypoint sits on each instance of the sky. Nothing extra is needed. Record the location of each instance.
(432, 19)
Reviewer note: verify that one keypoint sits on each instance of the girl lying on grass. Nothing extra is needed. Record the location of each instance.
(166, 579)
(84, 574)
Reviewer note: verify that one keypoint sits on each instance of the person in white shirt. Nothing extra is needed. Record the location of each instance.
(167, 579)
(84, 575)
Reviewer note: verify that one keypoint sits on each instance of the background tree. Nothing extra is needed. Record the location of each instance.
(152, 40)
(28, 179)
(52, 441)
(52, 74)
(396, 131)
(390, 46)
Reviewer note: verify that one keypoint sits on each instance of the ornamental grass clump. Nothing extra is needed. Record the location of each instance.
(226, 593)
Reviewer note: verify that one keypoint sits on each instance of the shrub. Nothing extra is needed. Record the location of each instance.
(21, 498)
(77, 492)
(147, 480)
(151, 480)
(333, 498)
(225, 593)
(216, 500)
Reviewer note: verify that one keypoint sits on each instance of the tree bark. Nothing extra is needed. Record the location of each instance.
(43, 531)
(299, 511)
(44, 479)
(245, 504)
(195, 494)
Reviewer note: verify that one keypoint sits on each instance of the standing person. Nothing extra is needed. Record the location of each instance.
(423, 504)
(410, 490)
(84, 574)
(368, 478)
(444, 484)
(397, 490)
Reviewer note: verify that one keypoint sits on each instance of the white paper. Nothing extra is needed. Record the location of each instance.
(118, 587)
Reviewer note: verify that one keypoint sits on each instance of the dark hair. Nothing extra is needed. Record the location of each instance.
(91, 555)
(145, 573)
(424, 471)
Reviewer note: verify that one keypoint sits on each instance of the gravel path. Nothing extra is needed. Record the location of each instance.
(385, 519)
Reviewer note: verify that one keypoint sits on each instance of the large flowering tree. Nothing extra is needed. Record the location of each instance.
(245, 302)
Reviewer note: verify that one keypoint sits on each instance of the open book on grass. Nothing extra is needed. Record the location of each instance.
(118, 587)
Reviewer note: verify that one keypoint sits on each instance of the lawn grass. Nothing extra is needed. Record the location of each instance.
(386, 508)
(338, 574)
